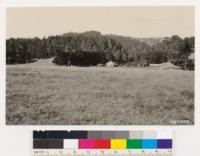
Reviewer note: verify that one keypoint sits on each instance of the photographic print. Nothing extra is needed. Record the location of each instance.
(100, 65)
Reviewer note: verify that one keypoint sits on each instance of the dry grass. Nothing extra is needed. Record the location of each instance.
(97, 95)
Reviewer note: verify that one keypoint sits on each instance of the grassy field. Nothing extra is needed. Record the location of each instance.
(40, 93)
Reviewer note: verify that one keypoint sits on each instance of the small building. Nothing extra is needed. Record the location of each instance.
(111, 64)
(191, 57)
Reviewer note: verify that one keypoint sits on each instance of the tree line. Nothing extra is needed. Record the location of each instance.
(92, 48)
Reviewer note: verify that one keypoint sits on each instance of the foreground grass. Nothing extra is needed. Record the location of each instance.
(98, 95)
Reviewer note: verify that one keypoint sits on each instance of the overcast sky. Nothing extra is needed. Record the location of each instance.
(127, 21)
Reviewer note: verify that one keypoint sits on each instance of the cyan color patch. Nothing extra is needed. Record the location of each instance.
(149, 144)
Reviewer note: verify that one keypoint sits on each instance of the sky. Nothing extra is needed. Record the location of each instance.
(135, 21)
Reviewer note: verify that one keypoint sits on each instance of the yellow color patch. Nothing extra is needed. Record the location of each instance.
(118, 143)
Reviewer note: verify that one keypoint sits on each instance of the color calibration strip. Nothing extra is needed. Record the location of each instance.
(105, 152)
(102, 140)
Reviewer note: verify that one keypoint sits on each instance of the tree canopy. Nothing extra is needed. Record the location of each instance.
(92, 48)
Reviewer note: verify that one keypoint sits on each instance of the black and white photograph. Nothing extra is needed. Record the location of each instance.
(114, 65)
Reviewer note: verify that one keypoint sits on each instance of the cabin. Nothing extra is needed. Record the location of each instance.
(111, 64)
(191, 57)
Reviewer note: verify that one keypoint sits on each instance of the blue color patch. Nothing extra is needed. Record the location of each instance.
(149, 144)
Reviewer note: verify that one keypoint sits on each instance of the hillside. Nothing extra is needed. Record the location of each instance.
(151, 41)
(37, 93)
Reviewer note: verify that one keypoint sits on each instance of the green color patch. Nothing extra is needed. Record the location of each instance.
(134, 143)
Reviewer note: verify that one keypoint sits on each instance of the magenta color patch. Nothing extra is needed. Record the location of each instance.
(86, 144)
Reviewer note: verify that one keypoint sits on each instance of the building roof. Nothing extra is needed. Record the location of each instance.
(191, 57)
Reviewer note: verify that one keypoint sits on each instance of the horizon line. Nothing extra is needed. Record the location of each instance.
(135, 37)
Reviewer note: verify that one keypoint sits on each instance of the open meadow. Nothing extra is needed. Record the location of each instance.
(43, 93)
